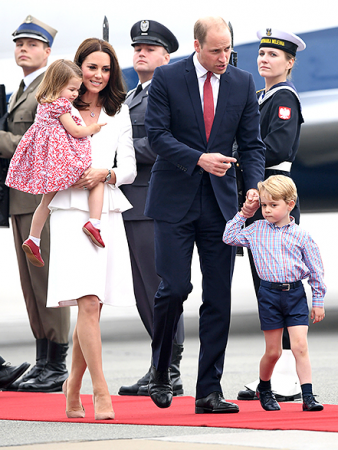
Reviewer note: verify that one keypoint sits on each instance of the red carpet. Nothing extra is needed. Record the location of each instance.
(142, 411)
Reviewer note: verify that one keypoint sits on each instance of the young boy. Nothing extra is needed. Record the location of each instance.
(284, 254)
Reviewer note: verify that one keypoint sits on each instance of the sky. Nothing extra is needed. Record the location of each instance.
(77, 20)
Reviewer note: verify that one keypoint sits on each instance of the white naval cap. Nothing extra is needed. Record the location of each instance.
(283, 40)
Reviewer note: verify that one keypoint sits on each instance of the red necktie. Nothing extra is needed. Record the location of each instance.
(208, 100)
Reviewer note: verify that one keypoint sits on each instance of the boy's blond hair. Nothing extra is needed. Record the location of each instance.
(56, 78)
(279, 187)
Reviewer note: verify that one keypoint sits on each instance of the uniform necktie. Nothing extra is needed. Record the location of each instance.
(138, 90)
(20, 90)
(208, 100)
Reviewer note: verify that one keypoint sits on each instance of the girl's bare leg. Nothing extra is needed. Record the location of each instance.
(95, 201)
(41, 214)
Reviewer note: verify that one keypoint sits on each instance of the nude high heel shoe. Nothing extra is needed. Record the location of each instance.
(79, 413)
(110, 415)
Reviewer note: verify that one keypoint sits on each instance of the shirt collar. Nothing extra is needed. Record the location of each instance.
(31, 77)
(290, 224)
(145, 84)
(200, 70)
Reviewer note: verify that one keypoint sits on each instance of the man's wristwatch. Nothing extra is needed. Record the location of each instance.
(108, 177)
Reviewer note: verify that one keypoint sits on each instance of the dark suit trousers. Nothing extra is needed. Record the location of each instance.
(174, 244)
(140, 235)
(50, 323)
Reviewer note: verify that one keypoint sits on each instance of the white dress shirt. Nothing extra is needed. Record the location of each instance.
(201, 73)
(31, 77)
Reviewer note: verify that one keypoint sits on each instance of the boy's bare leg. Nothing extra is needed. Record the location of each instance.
(273, 351)
(299, 347)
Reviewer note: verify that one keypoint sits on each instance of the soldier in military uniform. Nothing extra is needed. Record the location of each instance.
(33, 40)
(152, 43)
(280, 121)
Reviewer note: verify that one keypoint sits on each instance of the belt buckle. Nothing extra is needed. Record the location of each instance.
(287, 285)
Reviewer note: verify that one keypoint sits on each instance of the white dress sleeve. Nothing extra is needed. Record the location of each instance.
(113, 143)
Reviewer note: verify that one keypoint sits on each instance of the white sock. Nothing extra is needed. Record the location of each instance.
(35, 240)
(96, 223)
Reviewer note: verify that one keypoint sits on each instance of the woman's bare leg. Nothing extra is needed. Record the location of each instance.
(77, 371)
(88, 352)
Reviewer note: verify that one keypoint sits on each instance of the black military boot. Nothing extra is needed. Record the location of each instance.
(41, 361)
(54, 373)
(141, 386)
(175, 374)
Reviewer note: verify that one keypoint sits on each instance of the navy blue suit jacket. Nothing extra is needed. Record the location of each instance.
(176, 132)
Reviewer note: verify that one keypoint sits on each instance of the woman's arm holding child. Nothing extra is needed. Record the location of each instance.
(76, 130)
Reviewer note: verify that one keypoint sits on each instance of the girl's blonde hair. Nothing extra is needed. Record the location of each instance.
(56, 78)
(280, 187)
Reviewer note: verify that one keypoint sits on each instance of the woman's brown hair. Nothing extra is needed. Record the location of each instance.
(114, 94)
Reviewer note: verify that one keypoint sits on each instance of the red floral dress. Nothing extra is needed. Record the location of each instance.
(48, 158)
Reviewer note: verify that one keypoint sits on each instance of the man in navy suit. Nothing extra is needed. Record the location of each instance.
(193, 193)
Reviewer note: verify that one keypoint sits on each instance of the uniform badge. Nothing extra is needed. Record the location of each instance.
(284, 113)
(144, 26)
(268, 32)
(29, 19)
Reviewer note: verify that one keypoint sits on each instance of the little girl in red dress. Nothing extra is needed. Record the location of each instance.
(54, 152)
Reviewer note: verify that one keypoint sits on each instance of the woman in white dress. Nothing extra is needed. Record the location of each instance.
(81, 273)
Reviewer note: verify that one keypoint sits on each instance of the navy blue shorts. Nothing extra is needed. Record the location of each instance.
(282, 308)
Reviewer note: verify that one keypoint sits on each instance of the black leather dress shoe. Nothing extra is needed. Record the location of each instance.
(141, 387)
(268, 400)
(214, 403)
(311, 404)
(160, 388)
(249, 394)
(8, 373)
(32, 374)
(50, 379)
(177, 389)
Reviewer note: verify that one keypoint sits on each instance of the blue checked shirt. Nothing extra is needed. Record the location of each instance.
(281, 254)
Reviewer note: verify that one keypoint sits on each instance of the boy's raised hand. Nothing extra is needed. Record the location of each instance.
(251, 203)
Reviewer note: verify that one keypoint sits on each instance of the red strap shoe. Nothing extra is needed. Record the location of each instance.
(33, 253)
(93, 233)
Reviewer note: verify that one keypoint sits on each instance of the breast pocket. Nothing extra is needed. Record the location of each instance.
(137, 118)
(137, 121)
(22, 121)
